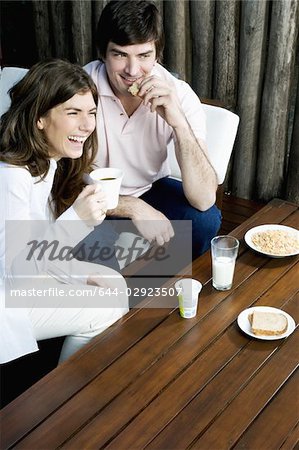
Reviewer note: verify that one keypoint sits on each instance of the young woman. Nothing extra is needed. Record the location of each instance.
(48, 141)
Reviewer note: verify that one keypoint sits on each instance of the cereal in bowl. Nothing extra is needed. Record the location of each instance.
(275, 242)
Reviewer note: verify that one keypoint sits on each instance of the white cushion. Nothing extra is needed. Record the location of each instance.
(9, 77)
(127, 250)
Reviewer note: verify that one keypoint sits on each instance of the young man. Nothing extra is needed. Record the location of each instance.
(135, 131)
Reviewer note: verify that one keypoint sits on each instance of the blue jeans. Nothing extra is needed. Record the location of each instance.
(102, 237)
(167, 196)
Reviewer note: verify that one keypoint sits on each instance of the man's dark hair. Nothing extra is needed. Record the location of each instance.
(127, 22)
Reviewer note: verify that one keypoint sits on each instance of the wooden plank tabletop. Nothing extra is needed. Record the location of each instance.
(158, 381)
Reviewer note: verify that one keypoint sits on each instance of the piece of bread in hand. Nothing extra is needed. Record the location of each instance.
(134, 89)
(264, 323)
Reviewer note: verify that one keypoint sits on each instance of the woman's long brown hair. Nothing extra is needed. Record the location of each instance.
(46, 85)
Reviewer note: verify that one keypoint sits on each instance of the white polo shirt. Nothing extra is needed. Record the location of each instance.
(138, 144)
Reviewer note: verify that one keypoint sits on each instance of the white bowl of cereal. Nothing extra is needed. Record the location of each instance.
(276, 241)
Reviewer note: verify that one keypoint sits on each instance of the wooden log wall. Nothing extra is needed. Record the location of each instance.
(276, 99)
(243, 53)
(253, 42)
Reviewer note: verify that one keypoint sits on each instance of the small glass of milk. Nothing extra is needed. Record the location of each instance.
(224, 251)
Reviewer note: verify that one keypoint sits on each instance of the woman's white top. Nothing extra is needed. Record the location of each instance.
(23, 198)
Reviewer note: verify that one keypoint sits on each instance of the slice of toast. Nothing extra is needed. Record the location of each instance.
(264, 323)
(134, 89)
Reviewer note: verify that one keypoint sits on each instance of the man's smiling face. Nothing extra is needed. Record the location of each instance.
(128, 64)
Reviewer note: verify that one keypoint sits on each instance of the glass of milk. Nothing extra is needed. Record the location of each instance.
(224, 250)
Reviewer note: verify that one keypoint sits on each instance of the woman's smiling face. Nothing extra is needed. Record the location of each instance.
(68, 125)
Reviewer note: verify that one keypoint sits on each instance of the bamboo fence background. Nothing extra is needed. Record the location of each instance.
(243, 53)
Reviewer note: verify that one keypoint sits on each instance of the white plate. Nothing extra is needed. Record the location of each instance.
(248, 238)
(245, 326)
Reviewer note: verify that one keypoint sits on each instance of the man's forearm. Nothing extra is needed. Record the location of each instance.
(127, 207)
(150, 223)
(198, 176)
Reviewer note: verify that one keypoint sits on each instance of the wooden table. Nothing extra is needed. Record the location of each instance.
(156, 380)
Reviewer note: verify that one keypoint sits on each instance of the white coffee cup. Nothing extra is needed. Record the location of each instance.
(110, 180)
(188, 290)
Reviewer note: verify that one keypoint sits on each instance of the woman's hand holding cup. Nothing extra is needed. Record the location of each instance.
(91, 205)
